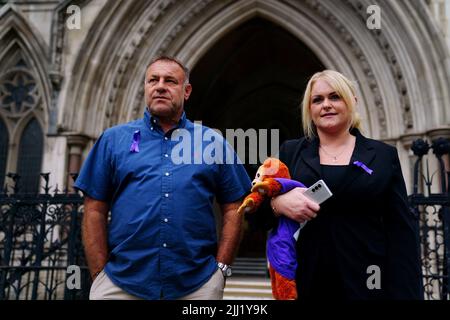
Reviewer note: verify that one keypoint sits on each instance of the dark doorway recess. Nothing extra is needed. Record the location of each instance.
(253, 78)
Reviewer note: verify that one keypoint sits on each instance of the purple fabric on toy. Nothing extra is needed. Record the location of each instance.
(281, 251)
(288, 184)
(281, 247)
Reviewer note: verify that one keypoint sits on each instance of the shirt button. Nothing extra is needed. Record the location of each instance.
(166, 220)
(166, 155)
(165, 138)
(166, 195)
(167, 174)
(151, 128)
(164, 245)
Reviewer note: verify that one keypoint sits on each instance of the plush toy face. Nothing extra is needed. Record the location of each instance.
(259, 175)
(264, 184)
(271, 168)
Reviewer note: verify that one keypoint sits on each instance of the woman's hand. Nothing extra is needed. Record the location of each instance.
(295, 205)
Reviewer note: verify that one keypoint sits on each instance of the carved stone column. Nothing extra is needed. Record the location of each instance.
(392, 142)
(408, 158)
(441, 133)
(408, 139)
(76, 145)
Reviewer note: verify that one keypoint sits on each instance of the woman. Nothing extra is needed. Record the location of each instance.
(362, 243)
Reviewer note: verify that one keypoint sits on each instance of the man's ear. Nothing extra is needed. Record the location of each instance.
(187, 91)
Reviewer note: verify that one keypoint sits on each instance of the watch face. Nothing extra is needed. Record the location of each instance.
(226, 269)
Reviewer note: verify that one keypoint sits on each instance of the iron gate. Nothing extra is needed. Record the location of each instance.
(433, 209)
(39, 240)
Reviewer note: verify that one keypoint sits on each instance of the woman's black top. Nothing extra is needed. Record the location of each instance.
(333, 175)
(327, 279)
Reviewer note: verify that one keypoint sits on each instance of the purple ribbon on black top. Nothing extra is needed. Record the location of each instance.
(136, 139)
(363, 166)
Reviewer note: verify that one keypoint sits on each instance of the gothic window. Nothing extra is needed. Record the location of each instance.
(18, 91)
(30, 157)
(20, 99)
(4, 137)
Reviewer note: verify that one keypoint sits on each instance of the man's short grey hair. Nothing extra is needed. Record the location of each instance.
(174, 60)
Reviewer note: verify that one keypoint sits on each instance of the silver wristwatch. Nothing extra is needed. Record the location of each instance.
(226, 269)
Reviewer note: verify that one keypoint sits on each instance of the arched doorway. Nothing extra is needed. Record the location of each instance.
(253, 78)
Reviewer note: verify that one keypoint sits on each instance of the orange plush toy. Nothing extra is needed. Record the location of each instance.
(273, 178)
(264, 184)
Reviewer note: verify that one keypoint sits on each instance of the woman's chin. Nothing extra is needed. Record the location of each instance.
(331, 128)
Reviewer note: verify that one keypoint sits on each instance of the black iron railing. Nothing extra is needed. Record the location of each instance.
(431, 202)
(39, 240)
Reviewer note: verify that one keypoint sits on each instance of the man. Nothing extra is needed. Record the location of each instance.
(161, 240)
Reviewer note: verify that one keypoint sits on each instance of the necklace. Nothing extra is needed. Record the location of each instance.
(331, 155)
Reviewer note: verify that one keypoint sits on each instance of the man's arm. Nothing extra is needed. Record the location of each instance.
(94, 234)
(231, 232)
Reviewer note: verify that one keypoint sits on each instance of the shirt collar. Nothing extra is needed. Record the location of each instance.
(153, 121)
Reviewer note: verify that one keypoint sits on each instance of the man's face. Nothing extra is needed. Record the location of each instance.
(165, 90)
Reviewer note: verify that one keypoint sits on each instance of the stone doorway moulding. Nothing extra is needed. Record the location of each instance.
(400, 69)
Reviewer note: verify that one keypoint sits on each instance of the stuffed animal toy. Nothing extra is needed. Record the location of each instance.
(272, 179)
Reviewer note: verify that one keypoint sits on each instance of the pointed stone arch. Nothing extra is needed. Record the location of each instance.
(393, 66)
(17, 39)
(103, 63)
(24, 83)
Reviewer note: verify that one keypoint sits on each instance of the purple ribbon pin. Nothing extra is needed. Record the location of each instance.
(363, 166)
(136, 139)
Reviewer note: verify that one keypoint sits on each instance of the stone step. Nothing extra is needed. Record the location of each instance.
(250, 267)
(251, 260)
(259, 263)
(248, 284)
(249, 291)
(251, 273)
(248, 288)
(238, 297)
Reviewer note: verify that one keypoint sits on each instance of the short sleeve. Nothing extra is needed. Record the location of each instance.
(95, 179)
(233, 180)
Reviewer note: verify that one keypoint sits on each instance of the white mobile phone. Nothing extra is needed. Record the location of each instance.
(318, 192)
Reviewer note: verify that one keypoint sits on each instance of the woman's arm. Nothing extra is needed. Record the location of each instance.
(295, 205)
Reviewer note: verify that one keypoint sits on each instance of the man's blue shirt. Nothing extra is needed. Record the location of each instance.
(162, 232)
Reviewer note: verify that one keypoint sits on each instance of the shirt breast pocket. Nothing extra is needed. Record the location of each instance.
(198, 176)
(135, 167)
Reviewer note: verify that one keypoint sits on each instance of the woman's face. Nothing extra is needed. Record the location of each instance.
(328, 110)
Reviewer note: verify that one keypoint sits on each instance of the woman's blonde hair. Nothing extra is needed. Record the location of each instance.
(343, 87)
